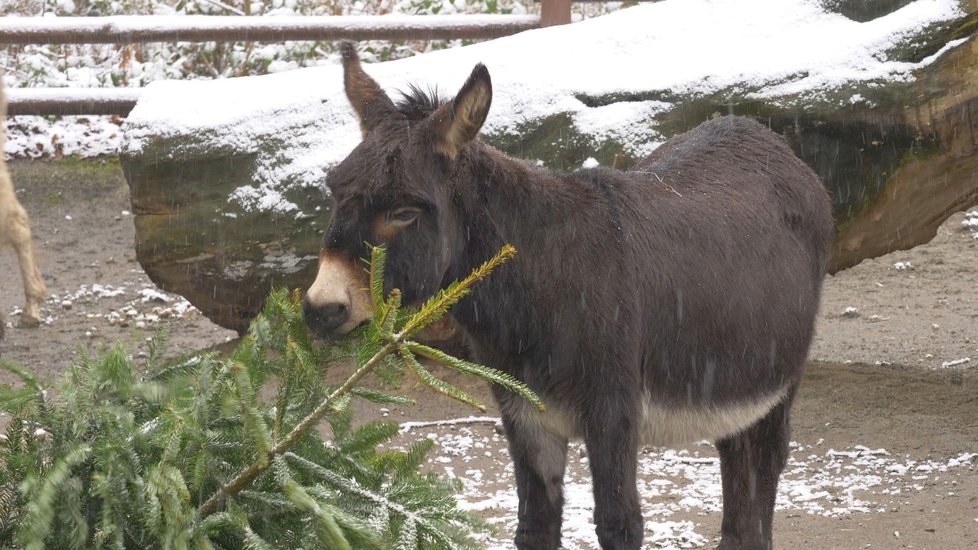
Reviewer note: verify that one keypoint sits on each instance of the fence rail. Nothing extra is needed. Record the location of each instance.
(137, 29)
(133, 29)
(71, 101)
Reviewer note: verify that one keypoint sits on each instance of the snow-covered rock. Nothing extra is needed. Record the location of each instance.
(227, 175)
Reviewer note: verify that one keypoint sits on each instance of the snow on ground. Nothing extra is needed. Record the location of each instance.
(139, 305)
(769, 48)
(970, 223)
(83, 136)
(676, 484)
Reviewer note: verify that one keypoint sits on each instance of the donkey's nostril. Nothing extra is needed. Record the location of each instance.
(327, 317)
(335, 311)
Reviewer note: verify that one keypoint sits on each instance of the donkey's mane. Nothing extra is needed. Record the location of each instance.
(416, 104)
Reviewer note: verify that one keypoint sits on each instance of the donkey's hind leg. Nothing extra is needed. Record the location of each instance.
(750, 465)
(19, 237)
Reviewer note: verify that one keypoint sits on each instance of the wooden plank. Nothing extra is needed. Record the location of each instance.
(132, 29)
(71, 101)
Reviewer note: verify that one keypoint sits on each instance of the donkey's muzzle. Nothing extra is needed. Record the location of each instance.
(326, 319)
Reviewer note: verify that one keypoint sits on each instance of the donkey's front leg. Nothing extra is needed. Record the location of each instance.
(612, 444)
(539, 460)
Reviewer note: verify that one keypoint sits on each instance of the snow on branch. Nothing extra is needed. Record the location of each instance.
(133, 29)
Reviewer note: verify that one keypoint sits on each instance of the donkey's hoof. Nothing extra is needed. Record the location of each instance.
(27, 321)
(731, 543)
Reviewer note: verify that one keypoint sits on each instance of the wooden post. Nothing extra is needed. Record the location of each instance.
(554, 12)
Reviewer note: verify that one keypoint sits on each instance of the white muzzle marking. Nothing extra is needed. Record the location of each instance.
(341, 281)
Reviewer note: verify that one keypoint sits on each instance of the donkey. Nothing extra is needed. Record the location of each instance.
(669, 303)
(15, 231)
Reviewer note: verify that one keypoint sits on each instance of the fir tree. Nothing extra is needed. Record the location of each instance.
(185, 454)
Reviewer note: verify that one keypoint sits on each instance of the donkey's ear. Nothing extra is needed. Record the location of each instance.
(368, 99)
(457, 122)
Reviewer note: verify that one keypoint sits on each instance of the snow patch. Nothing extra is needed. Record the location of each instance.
(829, 483)
(263, 197)
(147, 306)
(970, 223)
(955, 362)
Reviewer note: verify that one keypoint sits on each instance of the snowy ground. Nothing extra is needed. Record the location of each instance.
(915, 307)
(683, 483)
(884, 451)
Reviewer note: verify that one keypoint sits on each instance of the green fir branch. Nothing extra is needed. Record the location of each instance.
(486, 373)
(254, 424)
(404, 514)
(157, 348)
(30, 398)
(42, 492)
(367, 437)
(171, 454)
(435, 307)
(246, 476)
(430, 312)
(382, 397)
(435, 383)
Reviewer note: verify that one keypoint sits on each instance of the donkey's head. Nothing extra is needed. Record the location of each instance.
(395, 189)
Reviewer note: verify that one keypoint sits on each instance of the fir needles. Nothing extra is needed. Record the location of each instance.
(222, 452)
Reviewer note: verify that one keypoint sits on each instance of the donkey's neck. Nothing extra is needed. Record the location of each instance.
(548, 217)
(521, 198)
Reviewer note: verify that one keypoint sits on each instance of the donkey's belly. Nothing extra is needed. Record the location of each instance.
(665, 426)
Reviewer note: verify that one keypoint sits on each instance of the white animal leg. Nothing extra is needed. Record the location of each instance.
(16, 231)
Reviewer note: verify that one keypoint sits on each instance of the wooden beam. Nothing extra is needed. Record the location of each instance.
(555, 12)
(71, 101)
(132, 29)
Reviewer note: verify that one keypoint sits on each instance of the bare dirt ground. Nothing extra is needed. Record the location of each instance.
(885, 427)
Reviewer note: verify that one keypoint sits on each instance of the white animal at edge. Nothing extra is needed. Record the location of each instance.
(15, 231)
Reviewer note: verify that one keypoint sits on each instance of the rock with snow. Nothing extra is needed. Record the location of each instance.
(227, 176)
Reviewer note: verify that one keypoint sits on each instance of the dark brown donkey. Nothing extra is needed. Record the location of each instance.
(670, 303)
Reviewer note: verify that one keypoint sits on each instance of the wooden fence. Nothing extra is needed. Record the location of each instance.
(207, 28)
(135, 29)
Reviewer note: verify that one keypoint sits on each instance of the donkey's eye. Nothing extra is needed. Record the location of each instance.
(403, 216)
